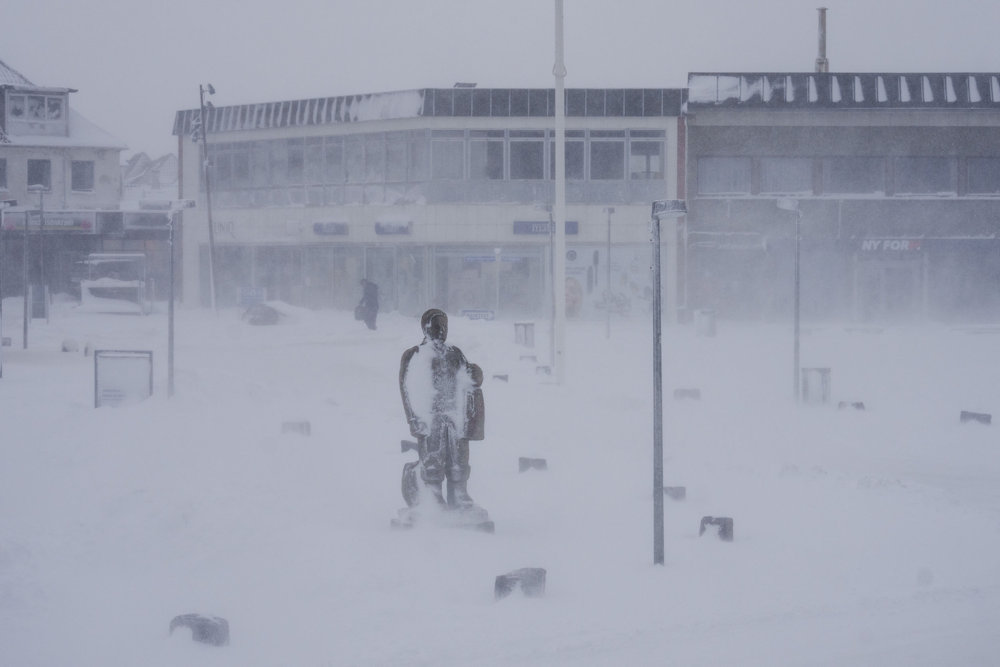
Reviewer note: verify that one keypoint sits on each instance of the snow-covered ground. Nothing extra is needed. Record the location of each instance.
(861, 537)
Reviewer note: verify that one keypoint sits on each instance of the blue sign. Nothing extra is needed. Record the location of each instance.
(478, 314)
(393, 227)
(330, 228)
(533, 227)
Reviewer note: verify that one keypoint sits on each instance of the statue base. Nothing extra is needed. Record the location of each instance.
(472, 518)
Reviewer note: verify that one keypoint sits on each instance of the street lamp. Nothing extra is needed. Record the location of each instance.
(607, 332)
(201, 132)
(40, 189)
(793, 205)
(663, 208)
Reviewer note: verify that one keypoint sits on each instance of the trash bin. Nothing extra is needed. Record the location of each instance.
(816, 385)
(524, 333)
(704, 323)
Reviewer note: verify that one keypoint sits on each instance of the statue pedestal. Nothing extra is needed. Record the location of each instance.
(473, 518)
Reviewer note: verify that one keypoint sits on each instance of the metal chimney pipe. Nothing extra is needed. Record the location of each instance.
(822, 64)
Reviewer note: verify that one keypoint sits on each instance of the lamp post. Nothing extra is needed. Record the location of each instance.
(40, 189)
(607, 332)
(496, 260)
(206, 166)
(663, 208)
(793, 205)
(559, 207)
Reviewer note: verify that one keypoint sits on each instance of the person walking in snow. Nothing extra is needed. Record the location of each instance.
(367, 308)
(444, 408)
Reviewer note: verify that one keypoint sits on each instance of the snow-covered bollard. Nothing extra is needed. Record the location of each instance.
(70, 345)
(688, 393)
(524, 463)
(300, 427)
(675, 492)
(205, 629)
(531, 581)
(723, 524)
(979, 417)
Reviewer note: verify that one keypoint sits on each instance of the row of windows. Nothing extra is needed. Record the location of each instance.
(448, 155)
(912, 175)
(39, 172)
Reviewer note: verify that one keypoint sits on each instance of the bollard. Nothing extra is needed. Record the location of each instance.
(978, 417)
(524, 463)
(682, 394)
(205, 629)
(302, 428)
(531, 581)
(675, 492)
(723, 523)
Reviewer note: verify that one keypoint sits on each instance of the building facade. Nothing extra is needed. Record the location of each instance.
(440, 196)
(896, 178)
(60, 192)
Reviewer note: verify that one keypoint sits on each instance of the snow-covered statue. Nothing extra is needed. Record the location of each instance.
(444, 408)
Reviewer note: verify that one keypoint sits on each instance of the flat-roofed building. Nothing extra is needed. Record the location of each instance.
(440, 196)
(897, 179)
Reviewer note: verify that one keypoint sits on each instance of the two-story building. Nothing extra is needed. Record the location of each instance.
(896, 177)
(440, 196)
(52, 159)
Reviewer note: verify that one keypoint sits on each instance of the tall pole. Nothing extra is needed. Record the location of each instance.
(795, 354)
(41, 242)
(559, 210)
(170, 310)
(609, 300)
(657, 401)
(208, 194)
(24, 262)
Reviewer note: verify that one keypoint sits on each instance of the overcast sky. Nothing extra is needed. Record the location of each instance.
(136, 62)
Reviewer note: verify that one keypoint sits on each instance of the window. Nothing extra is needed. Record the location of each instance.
(418, 157)
(984, 176)
(375, 158)
(354, 159)
(607, 156)
(82, 176)
(3, 173)
(527, 155)
(447, 155)
(40, 173)
(926, 175)
(854, 175)
(296, 161)
(723, 175)
(486, 155)
(395, 157)
(36, 113)
(313, 160)
(645, 161)
(333, 160)
(786, 175)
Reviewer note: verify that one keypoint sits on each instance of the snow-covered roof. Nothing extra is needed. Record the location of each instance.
(82, 134)
(962, 90)
(447, 102)
(11, 77)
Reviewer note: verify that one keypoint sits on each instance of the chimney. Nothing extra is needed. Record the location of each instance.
(822, 64)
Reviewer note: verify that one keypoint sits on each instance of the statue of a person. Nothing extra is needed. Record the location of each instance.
(444, 407)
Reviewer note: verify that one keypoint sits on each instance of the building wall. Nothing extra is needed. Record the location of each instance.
(454, 229)
(923, 245)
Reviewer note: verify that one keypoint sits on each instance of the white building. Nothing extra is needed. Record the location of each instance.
(440, 196)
